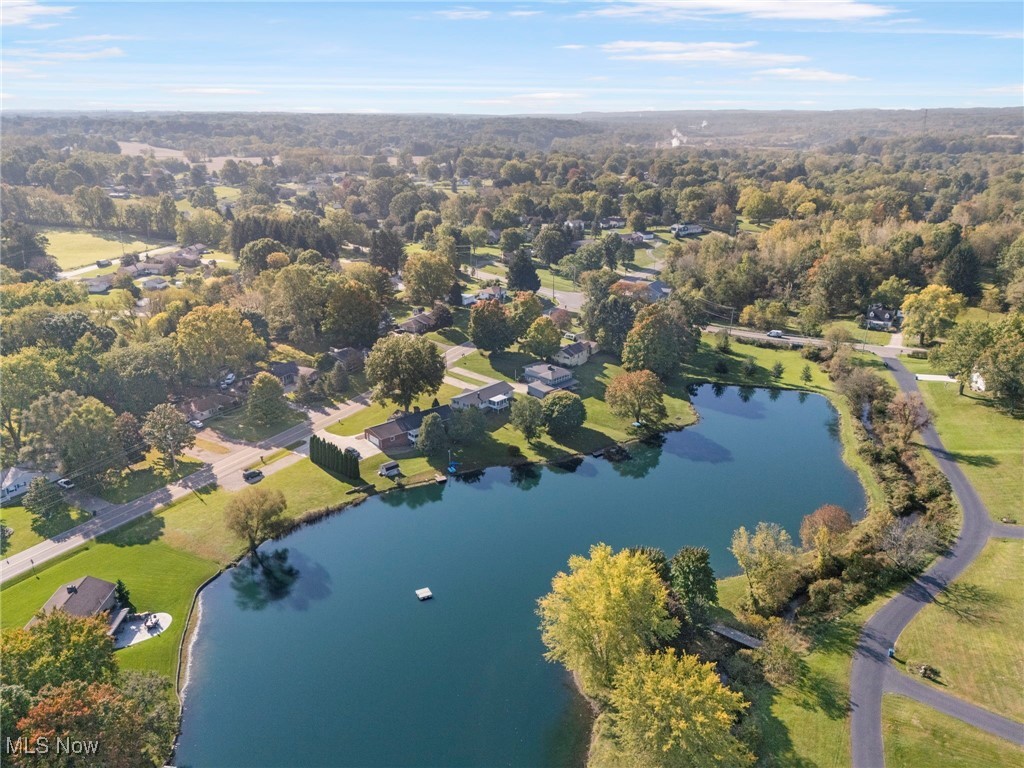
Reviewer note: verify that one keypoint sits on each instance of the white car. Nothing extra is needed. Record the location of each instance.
(229, 379)
(774, 334)
(66, 484)
(196, 424)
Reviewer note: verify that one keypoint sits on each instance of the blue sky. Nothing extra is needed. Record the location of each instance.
(510, 58)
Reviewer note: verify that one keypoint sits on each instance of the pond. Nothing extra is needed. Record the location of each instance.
(332, 661)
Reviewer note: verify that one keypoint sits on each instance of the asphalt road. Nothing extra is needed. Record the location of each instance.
(873, 672)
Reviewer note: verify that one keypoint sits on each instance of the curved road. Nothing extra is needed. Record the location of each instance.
(872, 673)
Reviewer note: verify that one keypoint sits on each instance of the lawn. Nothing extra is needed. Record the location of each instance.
(80, 247)
(916, 736)
(974, 632)
(147, 476)
(29, 530)
(861, 335)
(377, 413)
(457, 333)
(237, 426)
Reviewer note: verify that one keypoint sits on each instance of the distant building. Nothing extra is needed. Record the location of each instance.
(155, 284)
(882, 318)
(492, 292)
(494, 397)
(401, 432)
(686, 230)
(288, 373)
(85, 597)
(351, 359)
(100, 284)
(643, 290)
(203, 408)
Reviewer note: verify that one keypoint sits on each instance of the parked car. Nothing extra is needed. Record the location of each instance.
(252, 475)
(229, 379)
(196, 424)
(775, 334)
(571, 336)
(66, 484)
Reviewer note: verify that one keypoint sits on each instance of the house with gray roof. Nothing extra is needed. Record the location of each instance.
(494, 397)
(543, 378)
(84, 597)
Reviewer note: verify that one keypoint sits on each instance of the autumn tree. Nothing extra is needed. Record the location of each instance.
(209, 339)
(489, 327)
(524, 309)
(255, 514)
(564, 413)
(962, 351)
(527, 415)
(906, 414)
(693, 581)
(352, 314)
(542, 339)
(823, 529)
(661, 340)
(401, 368)
(607, 609)
(672, 711)
(167, 430)
(428, 277)
(55, 648)
(638, 397)
(768, 560)
(931, 311)
(265, 403)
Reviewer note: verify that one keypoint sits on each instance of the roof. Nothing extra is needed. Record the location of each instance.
(483, 394)
(10, 476)
(546, 371)
(285, 369)
(347, 354)
(880, 312)
(571, 350)
(416, 322)
(83, 597)
(407, 423)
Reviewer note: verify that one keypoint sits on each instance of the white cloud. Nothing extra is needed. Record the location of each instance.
(95, 39)
(732, 54)
(822, 10)
(572, 47)
(44, 57)
(807, 74)
(1019, 89)
(17, 12)
(523, 14)
(216, 90)
(463, 13)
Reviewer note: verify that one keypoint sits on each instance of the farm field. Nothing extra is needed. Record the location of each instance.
(75, 248)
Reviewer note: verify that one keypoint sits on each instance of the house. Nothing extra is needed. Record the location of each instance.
(494, 397)
(351, 359)
(495, 292)
(401, 432)
(155, 284)
(14, 481)
(686, 230)
(543, 379)
(642, 290)
(881, 318)
(576, 353)
(289, 373)
(85, 597)
(203, 408)
(100, 284)
(612, 222)
(468, 299)
(420, 323)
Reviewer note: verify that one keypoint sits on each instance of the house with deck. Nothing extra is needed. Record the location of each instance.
(543, 378)
(493, 397)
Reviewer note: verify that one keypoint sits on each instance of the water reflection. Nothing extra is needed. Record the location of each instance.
(802, 397)
(718, 389)
(694, 446)
(277, 576)
(773, 393)
(566, 466)
(525, 477)
(646, 457)
(413, 498)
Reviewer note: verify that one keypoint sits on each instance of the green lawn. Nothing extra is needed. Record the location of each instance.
(457, 334)
(237, 426)
(227, 193)
(147, 476)
(861, 335)
(377, 414)
(29, 530)
(79, 247)
(987, 443)
(916, 736)
(974, 633)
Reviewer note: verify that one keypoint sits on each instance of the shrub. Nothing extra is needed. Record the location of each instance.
(515, 451)
(721, 366)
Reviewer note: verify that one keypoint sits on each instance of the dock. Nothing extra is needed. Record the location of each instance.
(424, 594)
(440, 479)
(736, 636)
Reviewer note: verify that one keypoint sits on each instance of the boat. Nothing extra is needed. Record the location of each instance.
(424, 594)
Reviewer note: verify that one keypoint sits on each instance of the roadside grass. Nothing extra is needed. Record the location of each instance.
(146, 476)
(862, 335)
(974, 632)
(30, 530)
(379, 413)
(917, 736)
(75, 247)
(270, 458)
(986, 442)
(807, 723)
(470, 380)
(211, 446)
(237, 426)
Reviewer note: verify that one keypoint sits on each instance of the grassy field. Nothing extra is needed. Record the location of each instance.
(974, 633)
(457, 334)
(29, 531)
(377, 414)
(916, 736)
(862, 335)
(987, 443)
(147, 476)
(80, 247)
(237, 426)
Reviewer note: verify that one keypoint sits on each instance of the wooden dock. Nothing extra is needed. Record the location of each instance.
(736, 636)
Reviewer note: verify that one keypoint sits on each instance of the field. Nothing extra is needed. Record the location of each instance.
(147, 476)
(237, 426)
(916, 736)
(28, 531)
(861, 335)
(986, 442)
(81, 247)
(974, 633)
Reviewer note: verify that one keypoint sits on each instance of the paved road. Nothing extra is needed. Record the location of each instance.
(873, 673)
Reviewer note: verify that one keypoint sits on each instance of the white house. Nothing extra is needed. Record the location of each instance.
(575, 354)
(14, 481)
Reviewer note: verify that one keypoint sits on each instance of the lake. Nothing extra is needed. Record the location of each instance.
(332, 661)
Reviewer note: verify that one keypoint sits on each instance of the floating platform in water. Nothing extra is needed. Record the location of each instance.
(439, 478)
(424, 594)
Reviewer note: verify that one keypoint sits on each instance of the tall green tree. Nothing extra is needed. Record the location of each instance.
(467, 425)
(167, 430)
(428, 277)
(959, 355)
(961, 271)
(670, 711)
(352, 315)
(607, 609)
(255, 514)
(44, 499)
(522, 274)
(768, 560)
(266, 403)
(27, 376)
(542, 339)
(489, 327)
(386, 250)
(564, 413)
(432, 439)
(661, 340)
(209, 339)
(524, 309)
(401, 368)
(252, 258)
(693, 582)
(527, 415)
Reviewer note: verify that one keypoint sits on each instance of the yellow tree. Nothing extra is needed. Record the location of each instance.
(672, 711)
(608, 608)
(212, 338)
(931, 311)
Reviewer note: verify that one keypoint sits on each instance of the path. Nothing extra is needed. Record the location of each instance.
(873, 674)
(224, 471)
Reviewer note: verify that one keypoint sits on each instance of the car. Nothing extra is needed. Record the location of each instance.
(223, 386)
(229, 379)
(775, 334)
(252, 475)
(196, 424)
(571, 336)
(66, 484)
